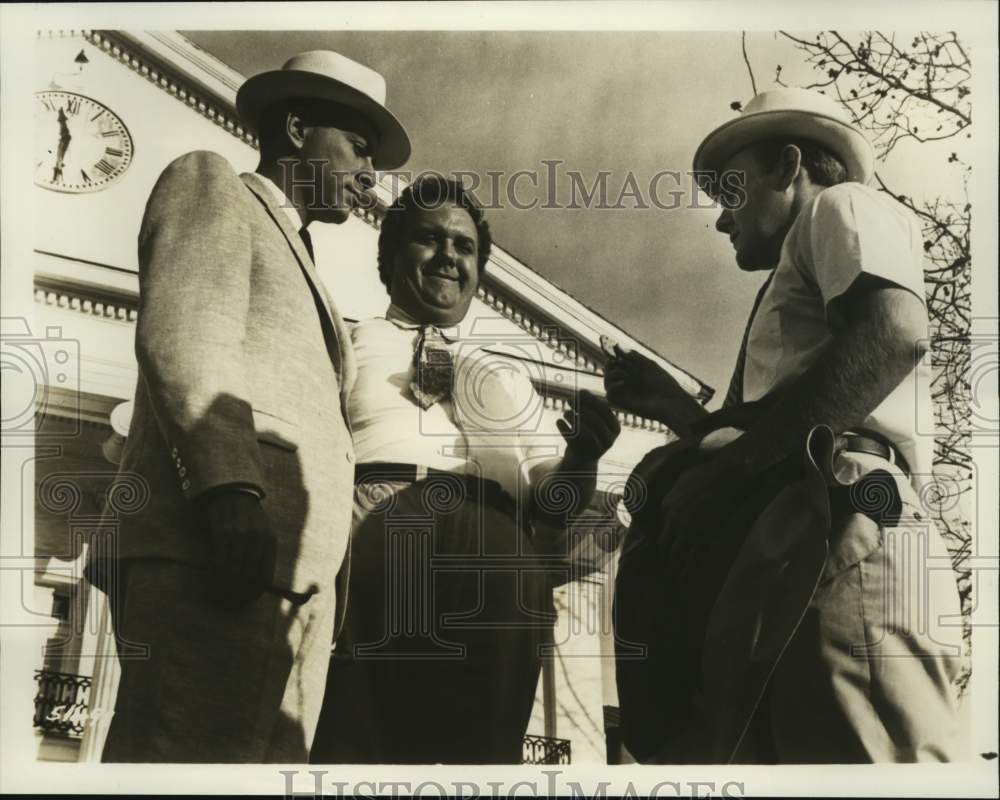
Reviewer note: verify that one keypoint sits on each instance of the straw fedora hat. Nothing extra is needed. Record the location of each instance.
(326, 75)
(792, 113)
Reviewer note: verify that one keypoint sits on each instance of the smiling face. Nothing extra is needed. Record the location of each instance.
(757, 226)
(435, 272)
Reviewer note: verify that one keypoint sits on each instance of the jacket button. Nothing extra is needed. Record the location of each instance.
(173, 453)
(182, 471)
(186, 485)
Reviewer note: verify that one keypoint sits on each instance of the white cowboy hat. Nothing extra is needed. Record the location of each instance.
(326, 75)
(792, 113)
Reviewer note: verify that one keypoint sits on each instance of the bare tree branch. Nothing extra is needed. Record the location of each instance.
(746, 60)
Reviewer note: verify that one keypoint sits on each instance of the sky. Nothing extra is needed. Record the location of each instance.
(625, 103)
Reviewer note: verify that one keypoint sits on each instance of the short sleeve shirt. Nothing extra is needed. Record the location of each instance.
(846, 230)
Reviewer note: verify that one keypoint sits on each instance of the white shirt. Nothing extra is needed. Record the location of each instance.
(493, 425)
(846, 230)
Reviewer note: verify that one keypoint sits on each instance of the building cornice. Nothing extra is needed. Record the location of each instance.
(207, 86)
(117, 306)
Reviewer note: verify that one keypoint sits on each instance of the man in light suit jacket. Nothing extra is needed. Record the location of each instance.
(225, 584)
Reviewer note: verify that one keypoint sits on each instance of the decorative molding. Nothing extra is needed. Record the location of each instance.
(175, 65)
(130, 50)
(116, 308)
(67, 298)
(82, 409)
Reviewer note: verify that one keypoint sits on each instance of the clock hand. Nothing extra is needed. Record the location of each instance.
(64, 140)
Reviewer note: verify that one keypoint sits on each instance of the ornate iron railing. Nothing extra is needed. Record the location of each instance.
(545, 750)
(61, 705)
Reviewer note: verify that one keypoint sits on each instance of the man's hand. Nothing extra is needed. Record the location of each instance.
(242, 547)
(590, 430)
(639, 385)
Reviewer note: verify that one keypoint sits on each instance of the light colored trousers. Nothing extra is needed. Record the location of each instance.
(216, 686)
(868, 675)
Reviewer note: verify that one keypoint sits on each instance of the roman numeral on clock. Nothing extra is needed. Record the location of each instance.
(86, 177)
(111, 151)
(104, 166)
(73, 105)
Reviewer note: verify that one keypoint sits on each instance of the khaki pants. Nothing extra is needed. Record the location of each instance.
(868, 674)
(215, 685)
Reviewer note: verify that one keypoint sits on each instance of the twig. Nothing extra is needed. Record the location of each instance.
(753, 83)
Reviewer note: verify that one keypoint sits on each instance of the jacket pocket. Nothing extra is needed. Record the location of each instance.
(275, 431)
(853, 539)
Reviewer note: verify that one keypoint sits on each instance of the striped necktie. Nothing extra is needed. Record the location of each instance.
(734, 394)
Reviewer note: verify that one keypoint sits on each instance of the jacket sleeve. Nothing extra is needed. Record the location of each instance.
(195, 263)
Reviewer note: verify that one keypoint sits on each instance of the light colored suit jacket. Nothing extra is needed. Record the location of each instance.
(244, 368)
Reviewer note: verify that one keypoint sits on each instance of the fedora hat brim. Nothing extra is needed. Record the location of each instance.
(844, 141)
(261, 91)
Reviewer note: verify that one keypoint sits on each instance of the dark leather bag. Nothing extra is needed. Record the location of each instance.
(659, 624)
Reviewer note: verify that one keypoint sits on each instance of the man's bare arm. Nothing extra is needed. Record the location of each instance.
(878, 343)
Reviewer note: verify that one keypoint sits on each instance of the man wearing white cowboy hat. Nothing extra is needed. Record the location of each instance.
(835, 636)
(231, 575)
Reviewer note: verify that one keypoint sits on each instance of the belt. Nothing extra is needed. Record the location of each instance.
(874, 444)
(474, 485)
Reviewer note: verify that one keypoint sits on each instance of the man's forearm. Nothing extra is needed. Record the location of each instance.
(679, 412)
(856, 372)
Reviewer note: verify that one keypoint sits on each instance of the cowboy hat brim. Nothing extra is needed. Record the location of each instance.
(844, 141)
(260, 91)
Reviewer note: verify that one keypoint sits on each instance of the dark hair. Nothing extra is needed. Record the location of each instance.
(824, 168)
(272, 131)
(428, 192)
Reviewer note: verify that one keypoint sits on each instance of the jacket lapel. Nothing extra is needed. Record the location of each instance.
(340, 347)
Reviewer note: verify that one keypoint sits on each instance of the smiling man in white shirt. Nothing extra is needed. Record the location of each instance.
(450, 600)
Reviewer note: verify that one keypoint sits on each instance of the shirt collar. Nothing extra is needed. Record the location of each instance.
(284, 203)
(404, 321)
(400, 318)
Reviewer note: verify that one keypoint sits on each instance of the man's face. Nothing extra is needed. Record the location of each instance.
(758, 225)
(343, 160)
(434, 272)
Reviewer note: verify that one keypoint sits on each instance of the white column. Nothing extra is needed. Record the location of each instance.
(100, 651)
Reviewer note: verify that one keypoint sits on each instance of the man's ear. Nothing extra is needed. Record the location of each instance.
(790, 165)
(295, 130)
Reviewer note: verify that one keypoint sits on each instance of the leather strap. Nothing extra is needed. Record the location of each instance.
(876, 445)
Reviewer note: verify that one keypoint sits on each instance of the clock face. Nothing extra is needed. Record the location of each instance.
(80, 144)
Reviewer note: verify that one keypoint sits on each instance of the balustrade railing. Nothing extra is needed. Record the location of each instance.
(61, 705)
(546, 750)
